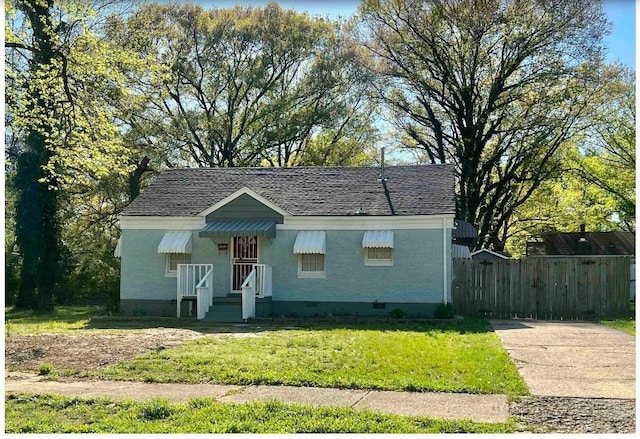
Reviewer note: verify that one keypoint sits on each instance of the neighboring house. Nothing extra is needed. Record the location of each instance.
(290, 241)
(583, 243)
(490, 255)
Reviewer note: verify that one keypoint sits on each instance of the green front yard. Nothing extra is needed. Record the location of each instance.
(49, 414)
(458, 356)
(454, 357)
(62, 319)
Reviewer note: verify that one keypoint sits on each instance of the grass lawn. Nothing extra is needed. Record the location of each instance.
(626, 325)
(62, 319)
(453, 357)
(51, 414)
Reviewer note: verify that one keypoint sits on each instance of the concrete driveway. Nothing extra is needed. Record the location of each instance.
(574, 359)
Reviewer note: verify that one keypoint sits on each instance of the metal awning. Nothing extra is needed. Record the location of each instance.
(175, 242)
(118, 251)
(460, 251)
(308, 242)
(239, 227)
(378, 239)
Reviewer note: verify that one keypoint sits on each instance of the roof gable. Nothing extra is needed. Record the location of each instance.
(239, 195)
(301, 191)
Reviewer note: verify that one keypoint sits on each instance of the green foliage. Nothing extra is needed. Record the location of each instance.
(247, 85)
(155, 409)
(45, 369)
(12, 277)
(453, 357)
(597, 185)
(62, 80)
(443, 311)
(56, 414)
(397, 313)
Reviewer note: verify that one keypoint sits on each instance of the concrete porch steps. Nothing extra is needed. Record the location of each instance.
(225, 310)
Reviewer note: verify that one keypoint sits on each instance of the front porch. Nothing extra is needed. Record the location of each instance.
(195, 286)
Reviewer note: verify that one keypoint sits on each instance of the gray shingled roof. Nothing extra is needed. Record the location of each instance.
(414, 190)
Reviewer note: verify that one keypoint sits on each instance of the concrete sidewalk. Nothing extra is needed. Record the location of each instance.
(570, 358)
(480, 408)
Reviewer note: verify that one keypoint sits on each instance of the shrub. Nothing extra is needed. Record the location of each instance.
(443, 311)
(397, 313)
(45, 369)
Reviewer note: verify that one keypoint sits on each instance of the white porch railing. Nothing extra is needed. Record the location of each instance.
(204, 292)
(195, 280)
(249, 296)
(257, 284)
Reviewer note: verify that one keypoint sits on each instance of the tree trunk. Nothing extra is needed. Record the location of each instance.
(37, 229)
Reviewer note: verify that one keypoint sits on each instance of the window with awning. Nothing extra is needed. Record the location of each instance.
(311, 246)
(310, 242)
(378, 239)
(175, 242)
(378, 247)
(176, 246)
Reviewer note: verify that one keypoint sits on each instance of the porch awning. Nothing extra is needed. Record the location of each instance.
(175, 242)
(239, 227)
(382, 239)
(310, 242)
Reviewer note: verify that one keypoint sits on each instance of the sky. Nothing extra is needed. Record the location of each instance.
(621, 44)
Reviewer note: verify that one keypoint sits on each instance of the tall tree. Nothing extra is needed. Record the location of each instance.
(247, 85)
(57, 73)
(493, 86)
(608, 153)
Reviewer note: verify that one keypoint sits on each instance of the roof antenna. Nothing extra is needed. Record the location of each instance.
(382, 177)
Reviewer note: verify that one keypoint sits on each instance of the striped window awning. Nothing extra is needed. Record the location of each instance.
(175, 242)
(238, 227)
(378, 239)
(310, 242)
(118, 251)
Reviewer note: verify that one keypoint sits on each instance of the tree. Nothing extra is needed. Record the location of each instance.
(246, 85)
(58, 73)
(561, 204)
(493, 86)
(608, 158)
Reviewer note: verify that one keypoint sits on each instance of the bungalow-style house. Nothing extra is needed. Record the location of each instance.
(228, 244)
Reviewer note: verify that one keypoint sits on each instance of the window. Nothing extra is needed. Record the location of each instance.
(378, 247)
(173, 259)
(378, 256)
(310, 246)
(311, 265)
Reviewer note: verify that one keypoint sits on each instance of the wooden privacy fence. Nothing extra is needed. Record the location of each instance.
(542, 288)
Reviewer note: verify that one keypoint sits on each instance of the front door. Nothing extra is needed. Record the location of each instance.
(244, 254)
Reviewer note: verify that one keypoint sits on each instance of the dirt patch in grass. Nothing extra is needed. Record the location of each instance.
(87, 352)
